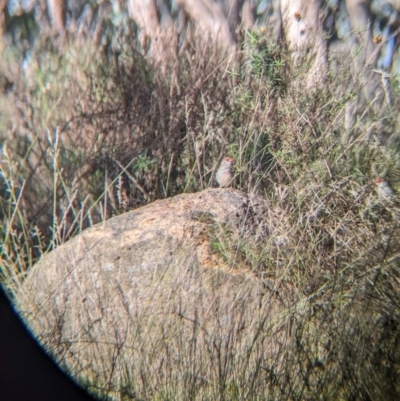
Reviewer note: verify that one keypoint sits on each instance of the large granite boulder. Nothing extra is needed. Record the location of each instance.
(151, 298)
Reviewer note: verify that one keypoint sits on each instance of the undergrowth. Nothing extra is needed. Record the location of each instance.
(87, 135)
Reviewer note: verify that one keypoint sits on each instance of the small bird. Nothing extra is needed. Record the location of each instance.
(384, 189)
(224, 175)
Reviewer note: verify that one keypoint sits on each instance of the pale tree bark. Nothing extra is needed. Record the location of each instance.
(145, 14)
(219, 20)
(210, 17)
(303, 33)
(159, 38)
(57, 14)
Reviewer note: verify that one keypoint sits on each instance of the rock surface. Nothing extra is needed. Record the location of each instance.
(124, 295)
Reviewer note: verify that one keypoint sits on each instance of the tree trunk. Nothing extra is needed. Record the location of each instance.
(303, 33)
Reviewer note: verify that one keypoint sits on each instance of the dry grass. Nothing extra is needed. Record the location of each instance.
(87, 135)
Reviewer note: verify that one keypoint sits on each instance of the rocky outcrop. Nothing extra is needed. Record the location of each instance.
(150, 285)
